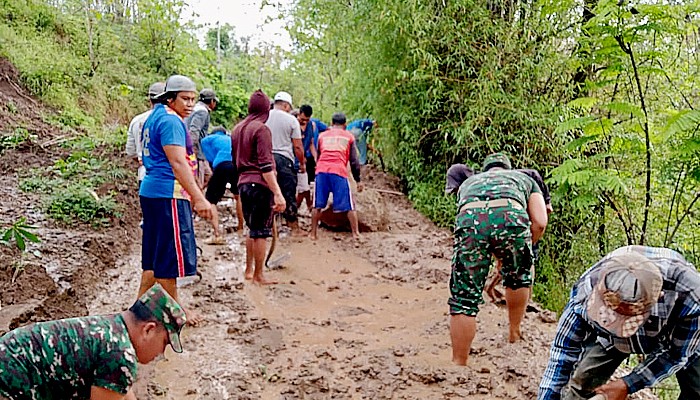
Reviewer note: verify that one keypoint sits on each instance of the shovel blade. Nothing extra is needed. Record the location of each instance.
(278, 262)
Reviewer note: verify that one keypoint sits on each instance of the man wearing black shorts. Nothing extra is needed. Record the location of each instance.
(217, 151)
(260, 194)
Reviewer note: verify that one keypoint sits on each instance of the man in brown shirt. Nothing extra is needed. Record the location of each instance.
(251, 146)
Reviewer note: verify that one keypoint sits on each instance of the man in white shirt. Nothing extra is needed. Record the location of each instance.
(133, 136)
(286, 143)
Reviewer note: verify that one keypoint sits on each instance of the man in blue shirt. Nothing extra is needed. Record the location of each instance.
(168, 247)
(636, 300)
(361, 129)
(217, 151)
(310, 129)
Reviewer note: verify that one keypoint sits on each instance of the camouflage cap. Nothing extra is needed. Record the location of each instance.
(496, 160)
(166, 311)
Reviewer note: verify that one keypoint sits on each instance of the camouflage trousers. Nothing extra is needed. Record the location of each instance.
(503, 232)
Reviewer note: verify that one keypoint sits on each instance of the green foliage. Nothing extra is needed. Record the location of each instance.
(69, 186)
(19, 233)
(14, 139)
(434, 203)
(76, 203)
(602, 103)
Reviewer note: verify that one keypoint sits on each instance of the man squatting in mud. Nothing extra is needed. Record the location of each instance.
(636, 300)
(94, 357)
(501, 213)
(456, 175)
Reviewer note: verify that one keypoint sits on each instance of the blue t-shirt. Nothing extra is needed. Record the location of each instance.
(361, 128)
(320, 128)
(309, 134)
(217, 148)
(162, 128)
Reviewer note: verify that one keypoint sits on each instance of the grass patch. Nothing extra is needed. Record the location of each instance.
(14, 139)
(68, 187)
(76, 203)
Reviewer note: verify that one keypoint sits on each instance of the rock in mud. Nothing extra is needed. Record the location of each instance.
(372, 213)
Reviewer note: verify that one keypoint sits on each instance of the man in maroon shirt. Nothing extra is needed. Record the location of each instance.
(251, 147)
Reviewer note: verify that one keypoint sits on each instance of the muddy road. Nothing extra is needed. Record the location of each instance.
(345, 322)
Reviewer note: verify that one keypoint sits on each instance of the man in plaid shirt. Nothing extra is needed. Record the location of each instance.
(636, 300)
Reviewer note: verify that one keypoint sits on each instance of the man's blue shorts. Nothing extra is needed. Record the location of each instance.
(327, 183)
(168, 247)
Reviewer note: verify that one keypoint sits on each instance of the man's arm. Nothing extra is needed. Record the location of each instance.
(299, 153)
(271, 180)
(177, 157)
(537, 211)
(566, 349)
(354, 162)
(681, 347)
(196, 128)
(298, 144)
(99, 393)
(312, 149)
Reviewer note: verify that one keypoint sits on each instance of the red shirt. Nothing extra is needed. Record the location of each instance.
(335, 146)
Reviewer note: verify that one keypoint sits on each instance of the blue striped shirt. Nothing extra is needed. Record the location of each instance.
(670, 338)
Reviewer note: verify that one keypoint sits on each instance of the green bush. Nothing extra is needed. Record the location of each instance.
(78, 204)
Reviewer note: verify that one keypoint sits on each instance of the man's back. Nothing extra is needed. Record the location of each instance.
(217, 148)
(133, 142)
(64, 359)
(197, 125)
(284, 128)
(498, 184)
(251, 147)
(335, 146)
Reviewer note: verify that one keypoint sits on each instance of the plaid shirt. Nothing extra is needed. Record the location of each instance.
(670, 338)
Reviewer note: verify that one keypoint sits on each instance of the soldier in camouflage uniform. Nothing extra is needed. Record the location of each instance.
(501, 213)
(91, 357)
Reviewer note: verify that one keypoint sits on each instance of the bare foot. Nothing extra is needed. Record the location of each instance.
(193, 317)
(514, 336)
(312, 236)
(264, 282)
(249, 274)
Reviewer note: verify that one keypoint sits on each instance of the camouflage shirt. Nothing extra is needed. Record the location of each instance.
(64, 359)
(498, 184)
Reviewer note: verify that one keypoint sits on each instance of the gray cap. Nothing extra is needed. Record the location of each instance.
(178, 83)
(208, 94)
(155, 89)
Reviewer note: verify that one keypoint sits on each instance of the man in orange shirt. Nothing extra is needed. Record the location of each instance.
(336, 147)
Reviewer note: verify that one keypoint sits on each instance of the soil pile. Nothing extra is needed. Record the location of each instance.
(56, 277)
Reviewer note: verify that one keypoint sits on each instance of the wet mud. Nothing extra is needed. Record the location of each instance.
(345, 322)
